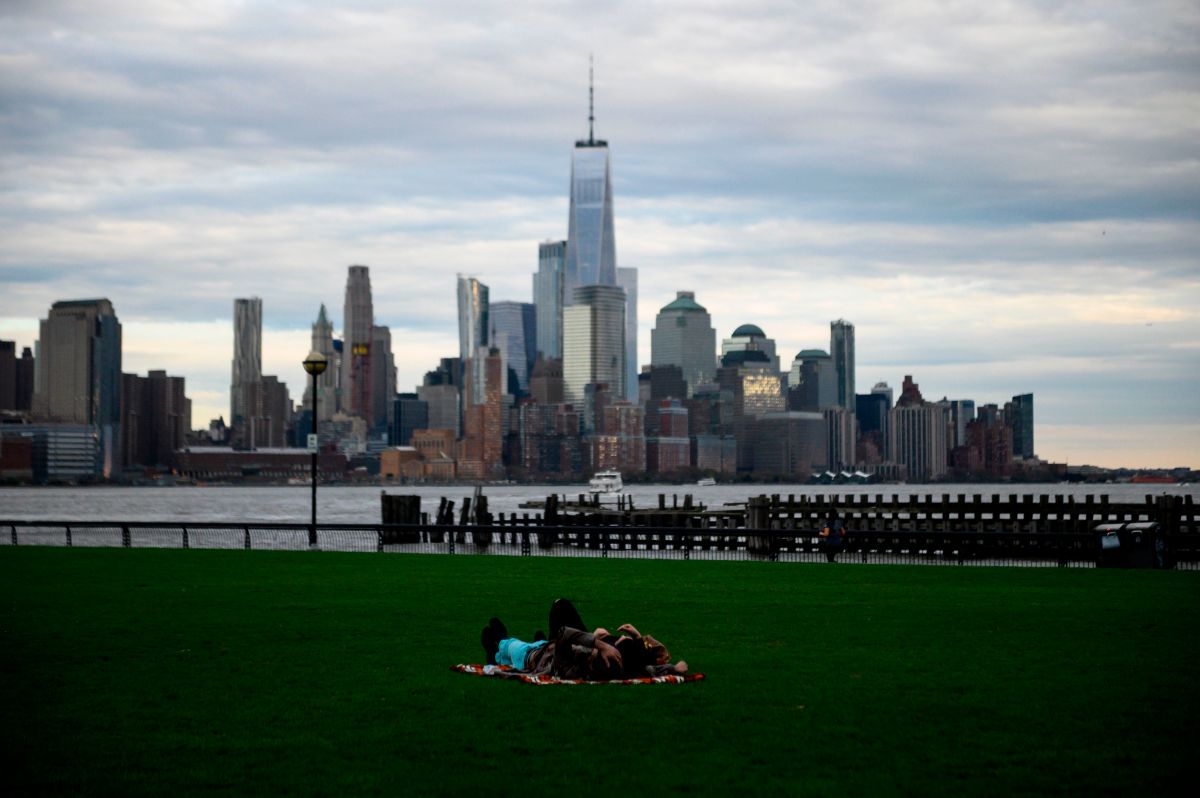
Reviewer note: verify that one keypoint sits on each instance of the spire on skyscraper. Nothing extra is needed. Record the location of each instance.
(591, 105)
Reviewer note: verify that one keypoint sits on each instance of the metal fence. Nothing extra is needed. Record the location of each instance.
(1076, 550)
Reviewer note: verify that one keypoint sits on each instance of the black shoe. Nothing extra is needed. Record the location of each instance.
(490, 643)
(563, 613)
(539, 636)
(497, 626)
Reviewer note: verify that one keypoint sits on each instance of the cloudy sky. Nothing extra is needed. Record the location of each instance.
(1003, 197)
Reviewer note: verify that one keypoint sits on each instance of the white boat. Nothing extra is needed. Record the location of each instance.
(707, 482)
(606, 482)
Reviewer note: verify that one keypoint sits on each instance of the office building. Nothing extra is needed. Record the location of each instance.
(77, 372)
(812, 382)
(409, 414)
(513, 330)
(754, 389)
(594, 341)
(548, 297)
(546, 381)
(750, 338)
(1020, 418)
(683, 336)
(841, 349)
(383, 380)
(790, 444)
(627, 279)
(917, 439)
(358, 321)
(962, 413)
(329, 402)
(591, 244)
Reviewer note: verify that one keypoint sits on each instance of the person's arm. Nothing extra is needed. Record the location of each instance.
(628, 629)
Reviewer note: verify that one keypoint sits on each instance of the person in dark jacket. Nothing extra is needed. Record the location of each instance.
(833, 535)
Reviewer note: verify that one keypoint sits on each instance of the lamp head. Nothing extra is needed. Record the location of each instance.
(315, 363)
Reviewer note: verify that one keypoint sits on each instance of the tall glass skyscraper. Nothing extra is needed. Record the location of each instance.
(513, 332)
(473, 327)
(591, 246)
(548, 296)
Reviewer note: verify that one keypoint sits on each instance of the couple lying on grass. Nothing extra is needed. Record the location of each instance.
(572, 652)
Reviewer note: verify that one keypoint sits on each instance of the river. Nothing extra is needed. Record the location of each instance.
(361, 505)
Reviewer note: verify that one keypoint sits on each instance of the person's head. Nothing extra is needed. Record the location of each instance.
(832, 514)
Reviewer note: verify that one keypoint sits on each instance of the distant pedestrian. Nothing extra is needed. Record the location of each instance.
(833, 536)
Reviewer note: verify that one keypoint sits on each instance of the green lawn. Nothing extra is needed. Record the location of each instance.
(166, 672)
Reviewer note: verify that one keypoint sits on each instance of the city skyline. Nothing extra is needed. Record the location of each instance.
(1043, 241)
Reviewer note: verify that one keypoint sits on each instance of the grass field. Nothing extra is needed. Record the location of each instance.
(168, 672)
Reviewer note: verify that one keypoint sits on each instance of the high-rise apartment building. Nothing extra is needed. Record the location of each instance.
(841, 349)
(16, 377)
(683, 336)
(514, 332)
(247, 356)
(548, 297)
(156, 416)
(358, 321)
(594, 342)
(77, 376)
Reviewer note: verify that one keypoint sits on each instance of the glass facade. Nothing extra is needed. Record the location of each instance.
(472, 323)
(513, 332)
(548, 296)
(247, 353)
(591, 247)
(627, 279)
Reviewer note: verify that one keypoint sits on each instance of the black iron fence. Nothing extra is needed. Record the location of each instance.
(1144, 547)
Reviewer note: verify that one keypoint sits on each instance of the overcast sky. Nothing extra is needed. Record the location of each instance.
(1003, 197)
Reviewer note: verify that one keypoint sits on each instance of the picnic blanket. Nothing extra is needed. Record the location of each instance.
(505, 672)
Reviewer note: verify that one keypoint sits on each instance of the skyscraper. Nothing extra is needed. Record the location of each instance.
(383, 379)
(594, 341)
(683, 336)
(627, 279)
(322, 341)
(751, 338)
(1021, 421)
(812, 382)
(473, 327)
(591, 245)
(548, 297)
(513, 332)
(841, 347)
(357, 320)
(247, 356)
(77, 372)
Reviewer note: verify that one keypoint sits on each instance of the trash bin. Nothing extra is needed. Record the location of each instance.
(1131, 545)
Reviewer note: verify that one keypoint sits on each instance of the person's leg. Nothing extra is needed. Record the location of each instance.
(563, 613)
(490, 638)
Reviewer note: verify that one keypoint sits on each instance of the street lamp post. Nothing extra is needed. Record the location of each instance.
(315, 365)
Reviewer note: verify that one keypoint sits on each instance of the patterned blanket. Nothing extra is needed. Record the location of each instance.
(505, 672)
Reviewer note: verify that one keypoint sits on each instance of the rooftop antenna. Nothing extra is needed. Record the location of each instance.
(591, 103)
